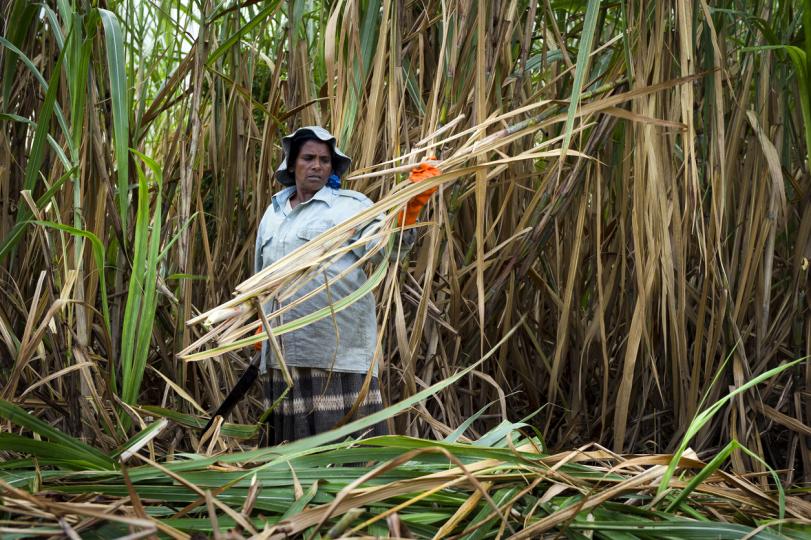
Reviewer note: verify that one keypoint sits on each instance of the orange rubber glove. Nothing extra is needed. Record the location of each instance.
(258, 345)
(419, 173)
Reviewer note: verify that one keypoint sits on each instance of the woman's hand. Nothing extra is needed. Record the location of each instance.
(421, 172)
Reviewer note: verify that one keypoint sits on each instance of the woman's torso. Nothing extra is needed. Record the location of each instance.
(345, 340)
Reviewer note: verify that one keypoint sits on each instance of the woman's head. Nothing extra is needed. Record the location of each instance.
(313, 139)
(311, 163)
(295, 149)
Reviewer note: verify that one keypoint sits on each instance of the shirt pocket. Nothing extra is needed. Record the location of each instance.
(303, 234)
(333, 266)
(308, 233)
(266, 249)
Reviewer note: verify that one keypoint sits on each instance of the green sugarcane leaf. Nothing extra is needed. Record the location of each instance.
(18, 416)
(710, 468)
(302, 502)
(232, 40)
(581, 68)
(116, 69)
(134, 307)
(19, 24)
(98, 256)
(51, 141)
(703, 417)
(53, 21)
(191, 277)
(484, 524)
(174, 239)
(781, 492)
(678, 529)
(462, 451)
(458, 432)
(57, 111)
(50, 453)
(237, 431)
(147, 262)
(138, 441)
(139, 312)
(36, 155)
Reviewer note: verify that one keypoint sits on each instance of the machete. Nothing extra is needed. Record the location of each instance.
(243, 385)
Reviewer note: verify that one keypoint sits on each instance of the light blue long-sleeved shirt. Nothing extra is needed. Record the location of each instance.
(345, 341)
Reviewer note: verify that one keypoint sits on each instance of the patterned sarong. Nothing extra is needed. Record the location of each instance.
(319, 399)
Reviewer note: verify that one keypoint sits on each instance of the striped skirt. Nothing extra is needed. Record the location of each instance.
(318, 400)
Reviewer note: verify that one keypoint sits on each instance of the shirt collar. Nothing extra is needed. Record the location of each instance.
(325, 194)
(280, 198)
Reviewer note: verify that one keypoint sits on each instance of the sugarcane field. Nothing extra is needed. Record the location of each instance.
(461, 269)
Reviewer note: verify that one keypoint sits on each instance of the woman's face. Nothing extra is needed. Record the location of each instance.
(313, 166)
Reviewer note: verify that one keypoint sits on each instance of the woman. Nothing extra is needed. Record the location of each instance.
(329, 359)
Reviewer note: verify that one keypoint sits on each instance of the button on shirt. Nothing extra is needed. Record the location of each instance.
(346, 340)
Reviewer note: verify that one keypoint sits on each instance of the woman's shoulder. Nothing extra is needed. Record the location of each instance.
(354, 197)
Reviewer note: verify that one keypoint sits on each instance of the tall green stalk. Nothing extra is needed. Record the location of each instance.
(139, 311)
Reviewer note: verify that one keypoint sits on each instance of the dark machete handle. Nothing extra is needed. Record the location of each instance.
(243, 385)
